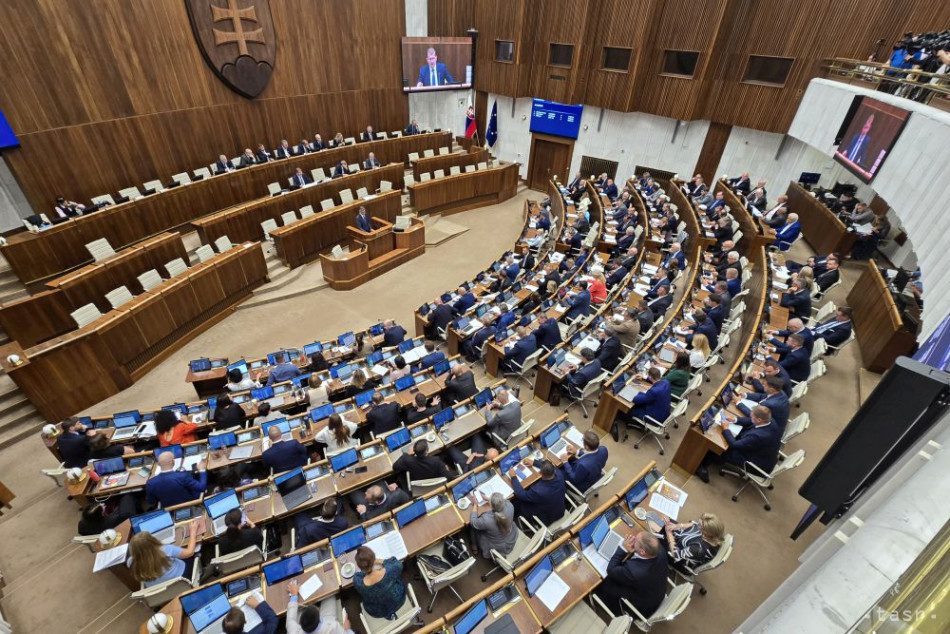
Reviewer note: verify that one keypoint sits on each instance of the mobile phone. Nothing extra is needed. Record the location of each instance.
(361, 469)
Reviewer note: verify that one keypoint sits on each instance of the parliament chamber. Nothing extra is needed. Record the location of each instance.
(432, 316)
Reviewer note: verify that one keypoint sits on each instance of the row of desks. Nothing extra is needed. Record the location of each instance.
(467, 190)
(821, 227)
(37, 256)
(445, 162)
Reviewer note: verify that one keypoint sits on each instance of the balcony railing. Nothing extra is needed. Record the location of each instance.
(929, 88)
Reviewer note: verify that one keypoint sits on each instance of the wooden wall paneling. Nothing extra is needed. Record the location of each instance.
(179, 296)
(556, 82)
(36, 318)
(713, 145)
(450, 18)
(502, 20)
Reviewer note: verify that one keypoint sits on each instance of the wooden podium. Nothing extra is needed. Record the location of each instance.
(372, 253)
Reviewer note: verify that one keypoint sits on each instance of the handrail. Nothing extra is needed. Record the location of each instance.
(877, 73)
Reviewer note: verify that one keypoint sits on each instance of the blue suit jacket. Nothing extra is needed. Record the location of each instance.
(758, 445)
(734, 287)
(512, 272)
(834, 332)
(464, 302)
(545, 499)
(301, 179)
(717, 314)
(175, 487)
(431, 359)
(617, 276)
(609, 353)
(583, 375)
(808, 341)
(269, 619)
(442, 75)
(521, 350)
(797, 364)
(611, 191)
(285, 455)
(579, 305)
(799, 304)
(363, 223)
(654, 403)
(777, 404)
(707, 328)
(787, 234)
(857, 148)
(548, 335)
(584, 471)
(282, 372)
(675, 261)
(394, 336)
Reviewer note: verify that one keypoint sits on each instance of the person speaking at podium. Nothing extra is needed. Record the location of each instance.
(363, 222)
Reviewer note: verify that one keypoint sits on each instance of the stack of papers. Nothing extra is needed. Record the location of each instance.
(110, 557)
(575, 436)
(251, 618)
(668, 500)
(495, 485)
(598, 561)
(389, 545)
(552, 591)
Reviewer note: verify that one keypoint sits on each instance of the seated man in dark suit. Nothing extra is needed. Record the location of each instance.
(432, 357)
(311, 530)
(342, 169)
(723, 230)
(393, 333)
(547, 334)
(223, 165)
(412, 128)
(438, 319)
(660, 278)
(836, 330)
(758, 443)
(368, 135)
(655, 402)
(771, 367)
(283, 455)
(641, 579)
(383, 417)
(284, 150)
(705, 326)
(733, 283)
(795, 325)
(715, 310)
(248, 158)
(741, 184)
(616, 275)
(644, 315)
(263, 155)
(797, 300)
(773, 397)
(371, 161)
(465, 301)
(610, 189)
(378, 500)
(583, 469)
(572, 238)
(472, 347)
(317, 144)
(660, 304)
(825, 280)
(421, 409)
(300, 178)
(578, 303)
(363, 221)
(460, 384)
(517, 353)
(171, 487)
(545, 499)
(610, 350)
(797, 362)
(420, 465)
(228, 414)
(73, 443)
(302, 148)
(579, 376)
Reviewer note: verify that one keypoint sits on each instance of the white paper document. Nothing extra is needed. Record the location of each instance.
(310, 586)
(251, 618)
(242, 452)
(598, 561)
(495, 484)
(553, 591)
(388, 545)
(380, 370)
(110, 557)
(665, 506)
(575, 436)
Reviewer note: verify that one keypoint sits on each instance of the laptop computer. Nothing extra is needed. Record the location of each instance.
(411, 513)
(206, 609)
(243, 585)
(200, 365)
(443, 418)
(293, 488)
(318, 414)
(219, 506)
(399, 439)
(405, 382)
(552, 441)
(667, 355)
(538, 575)
(222, 441)
(283, 569)
(347, 541)
(636, 494)
(344, 460)
(472, 618)
(603, 544)
(483, 398)
(159, 524)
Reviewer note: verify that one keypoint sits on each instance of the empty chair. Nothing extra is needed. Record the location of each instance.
(418, 488)
(818, 370)
(438, 174)
(155, 186)
(273, 188)
(570, 518)
(204, 253)
(514, 437)
(402, 223)
(397, 134)
(823, 314)
(580, 618)
(155, 597)
(130, 192)
(362, 192)
(89, 541)
(579, 497)
(268, 225)
(176, 267)
(105, 199)
(57, 475)
(354, 167)
(428, 153)
(202, 172)
(382, 135)
(385, 186)
(820, 347)
(223, 244)
(349, 140)
(525, 547)
(471, 168)
(346, 196)
(100, 249)
(149, 280)
(482, 165)
(236, 162)
(244, 558)
(672, 606)
(318, 174)
(119, 296)
(413, 156)
(751, 474)
(530, 363)
(424, 177)
(587, 394)
(655, 428)
(85, 315)
(455, 169)
(336, 251)
(182, 178)
(306, 211)
(443, 150)
(796, 427)
(288, 218)
(435, 581)
(327, 204)
(798, 393)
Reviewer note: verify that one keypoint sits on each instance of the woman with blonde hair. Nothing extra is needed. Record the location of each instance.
(317, 391)
(700, 351)
(695, 543)
(152, 562)
(598, 288)
(495, 529)
(806, 275)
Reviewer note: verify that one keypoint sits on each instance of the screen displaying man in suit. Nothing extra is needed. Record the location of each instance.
(434, 73)
(856, 149)
(363, 222)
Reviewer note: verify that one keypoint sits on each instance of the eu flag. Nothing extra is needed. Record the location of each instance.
(491, 135)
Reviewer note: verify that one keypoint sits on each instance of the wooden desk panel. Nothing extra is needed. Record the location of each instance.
(877, 322)
(820, 226)
(469, 190)
(37, 256)
(429, 164)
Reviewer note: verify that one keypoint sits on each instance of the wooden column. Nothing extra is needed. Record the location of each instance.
(711, 154)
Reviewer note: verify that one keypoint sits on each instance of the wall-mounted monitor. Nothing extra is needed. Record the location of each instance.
(870, 135)
(559, 119)
(436, 63)
(7, 138)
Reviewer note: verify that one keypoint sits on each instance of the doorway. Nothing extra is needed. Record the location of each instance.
(550, 156)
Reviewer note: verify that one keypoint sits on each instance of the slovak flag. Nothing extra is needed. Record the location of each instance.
(470, 121)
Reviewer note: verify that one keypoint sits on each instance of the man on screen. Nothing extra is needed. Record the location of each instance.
(434, 73)
(857, 147)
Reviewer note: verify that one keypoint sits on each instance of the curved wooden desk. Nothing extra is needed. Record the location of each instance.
(459, 192)
(389, 249)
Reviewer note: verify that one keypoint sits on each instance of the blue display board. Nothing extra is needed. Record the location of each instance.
(559, 119)
(7, 138)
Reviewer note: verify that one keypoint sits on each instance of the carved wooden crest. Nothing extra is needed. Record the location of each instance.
(237, 39)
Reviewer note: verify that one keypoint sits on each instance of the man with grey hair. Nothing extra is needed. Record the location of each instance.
(378, 500)
(640, 579)
(503, 415)
(731, 262)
